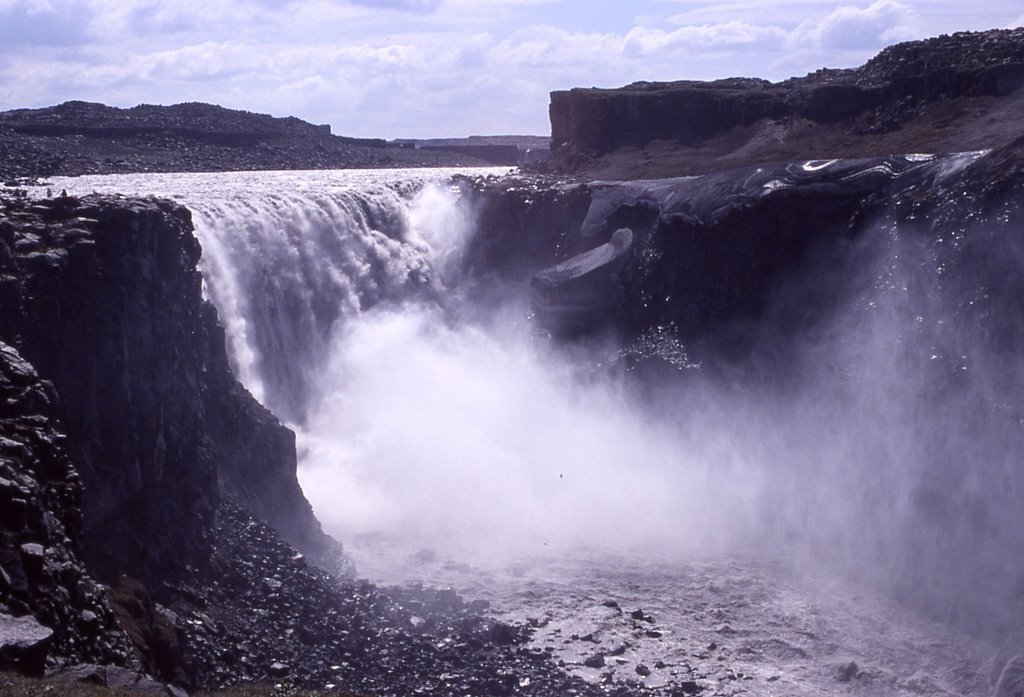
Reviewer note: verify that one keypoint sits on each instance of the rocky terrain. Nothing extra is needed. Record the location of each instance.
(948, 94)
(85, 138)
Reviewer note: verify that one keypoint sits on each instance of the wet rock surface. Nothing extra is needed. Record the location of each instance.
(208, 594)
(580, 291)
(741, 275)
(716, 626)
(266, 615)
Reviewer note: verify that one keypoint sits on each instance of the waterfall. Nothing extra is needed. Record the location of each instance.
(286, 270)
(289, 257)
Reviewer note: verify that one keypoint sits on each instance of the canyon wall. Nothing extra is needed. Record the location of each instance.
(939, 95)
(103, 297)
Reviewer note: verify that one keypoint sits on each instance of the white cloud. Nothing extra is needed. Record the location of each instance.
(403, 5)
(851, 28)
(545, 46)
(644, 41)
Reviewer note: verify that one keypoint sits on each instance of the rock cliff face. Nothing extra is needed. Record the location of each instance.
(103, 297)
(952, 93)
(140, 459)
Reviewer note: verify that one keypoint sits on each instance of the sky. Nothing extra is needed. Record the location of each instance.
(435, 68)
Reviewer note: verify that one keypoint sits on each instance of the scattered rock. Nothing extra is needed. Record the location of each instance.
(640, 615)
(845, 672)
(279, 669)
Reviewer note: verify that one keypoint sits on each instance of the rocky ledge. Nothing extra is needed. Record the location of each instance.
(947, 94)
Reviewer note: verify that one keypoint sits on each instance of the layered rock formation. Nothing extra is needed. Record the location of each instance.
(129, 452)
(103, 296)
(952, 93)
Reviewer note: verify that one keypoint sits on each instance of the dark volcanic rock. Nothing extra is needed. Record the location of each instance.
(951, 93)
(181, 473)
(24, 644)
(103, 296)
(59, 610)
(155, 421)
(580, 291)
(86, 138)
(265, 614)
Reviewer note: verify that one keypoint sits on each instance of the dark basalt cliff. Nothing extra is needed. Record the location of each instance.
(952, 93)
(41, 571)
(103, 297)
(130, 455)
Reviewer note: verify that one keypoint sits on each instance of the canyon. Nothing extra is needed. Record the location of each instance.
(805, 345)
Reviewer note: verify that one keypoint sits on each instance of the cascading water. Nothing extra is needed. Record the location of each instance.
(289, 257)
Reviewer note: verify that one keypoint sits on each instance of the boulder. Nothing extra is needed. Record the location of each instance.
(584, 291)
(24, 644)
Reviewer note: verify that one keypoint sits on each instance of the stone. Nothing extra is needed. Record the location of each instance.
(279, 669)
(88, 619)
(24, 644)
(642, 670)
(845, 672)
(83, 672)
(583, 291)
(595, 661)
(641, 616)
(677, 128)
(135, 683)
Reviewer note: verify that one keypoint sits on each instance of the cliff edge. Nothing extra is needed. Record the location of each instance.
(947, 94)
